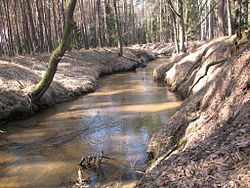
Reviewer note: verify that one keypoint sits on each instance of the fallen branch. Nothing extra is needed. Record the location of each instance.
(139, 172)
(172, 8)
(22, 86)
(206, 16)
(136, 159)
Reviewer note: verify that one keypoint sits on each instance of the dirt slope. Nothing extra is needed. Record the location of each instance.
(207, 142)
(77, 74)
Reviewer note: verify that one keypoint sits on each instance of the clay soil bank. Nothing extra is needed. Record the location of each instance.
(77, 74)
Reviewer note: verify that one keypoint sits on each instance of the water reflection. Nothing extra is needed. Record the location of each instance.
(43, 151)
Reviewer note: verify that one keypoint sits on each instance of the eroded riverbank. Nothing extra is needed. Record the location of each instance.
(77, 74)
(119, 118)
(207, 142)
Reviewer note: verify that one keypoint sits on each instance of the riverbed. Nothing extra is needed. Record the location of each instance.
(118, 119)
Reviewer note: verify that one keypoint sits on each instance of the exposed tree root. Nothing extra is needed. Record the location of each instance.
(206, 71)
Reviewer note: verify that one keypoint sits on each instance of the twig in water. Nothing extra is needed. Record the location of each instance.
(136, 159)
(139, 172)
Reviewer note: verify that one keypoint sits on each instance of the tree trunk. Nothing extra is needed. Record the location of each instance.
(237, 9)
(98, 7)
(84, 27)
(48, 25)
(19, 47)
(118, 28)
(210, 21)
(27, 38)
(244, 10)
(40, 26)
(160, 19)
(182, 27)
(221, 18)
(49, 42)
(176, 36)
(56, 56)
(55, 22)
(10, 33)
(229, 18)
(106, 33)
(32, 26)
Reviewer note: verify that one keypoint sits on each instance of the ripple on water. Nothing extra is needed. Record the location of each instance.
(119, 118)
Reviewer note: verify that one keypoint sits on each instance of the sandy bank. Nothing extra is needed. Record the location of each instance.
(207, 142)
(77, 74)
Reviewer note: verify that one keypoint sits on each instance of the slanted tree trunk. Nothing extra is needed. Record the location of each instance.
(56, 56)
(176, 35)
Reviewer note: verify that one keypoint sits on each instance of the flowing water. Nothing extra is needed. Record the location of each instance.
(118, 119)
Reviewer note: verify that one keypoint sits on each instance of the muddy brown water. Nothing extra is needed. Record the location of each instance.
(119, 118)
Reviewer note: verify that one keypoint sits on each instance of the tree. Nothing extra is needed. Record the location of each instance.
(229, 18)
(178, 15)
(56, 56)
(221, 17)
(118, 29)
(182, 26)
(28, 26)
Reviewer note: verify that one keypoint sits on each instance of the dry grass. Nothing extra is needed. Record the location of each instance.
(77, 74)
(211, 130)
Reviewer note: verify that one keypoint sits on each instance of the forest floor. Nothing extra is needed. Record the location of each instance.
(207, 142)
(77, 74)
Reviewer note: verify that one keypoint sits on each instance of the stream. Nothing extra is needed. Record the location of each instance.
(118, 119)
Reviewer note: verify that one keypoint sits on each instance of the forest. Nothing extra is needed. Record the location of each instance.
(125, 93)
(33, 26)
